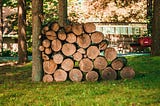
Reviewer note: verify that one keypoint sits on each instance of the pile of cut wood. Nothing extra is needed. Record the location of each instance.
(78, 52)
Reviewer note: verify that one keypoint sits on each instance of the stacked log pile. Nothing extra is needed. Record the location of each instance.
(79, 52)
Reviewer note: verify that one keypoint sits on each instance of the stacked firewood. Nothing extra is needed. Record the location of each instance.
(79, 52)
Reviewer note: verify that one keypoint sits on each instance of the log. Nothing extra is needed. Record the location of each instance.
(93, 52)
(110, 54)
(47, 51)
(51, 35)
(47, 78)
(97, 37)
(55, 26)
(103, 45)
(83, 41)
(127, 73)
(56, 45)
(77, 29)
(89, 27)
(81, 50)
(100, 63)
(67, 64)
(45, 29)
(60, 75)
(119, 63)
(46, 43)
(109, 74)
(68, 49)
(58, 58)
(68, 28)
(49, 67)
(41, 48)
(86, 65)
(71, 38)
(92, 76)
(75, 75)
(44, 56)
(62, 35)
(77, 56)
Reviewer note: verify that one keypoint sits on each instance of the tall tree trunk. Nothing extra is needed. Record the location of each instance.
(1, 26)
(37, 9)
(149, 16)
(22, 43)
(62, 12)
(156, 29)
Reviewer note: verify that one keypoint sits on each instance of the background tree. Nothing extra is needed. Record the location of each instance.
(156, 29)
(37, 9)
(1, 26)
(22, 42)
(62, 12)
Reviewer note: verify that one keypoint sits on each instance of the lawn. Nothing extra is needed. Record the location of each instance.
(17, 89)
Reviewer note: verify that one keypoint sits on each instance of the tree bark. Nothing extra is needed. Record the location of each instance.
(37, 72)
(1, 26)
(62, 12)
(156, 29)
(22, 43)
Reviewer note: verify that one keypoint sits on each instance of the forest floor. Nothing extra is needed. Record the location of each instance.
(17, 89)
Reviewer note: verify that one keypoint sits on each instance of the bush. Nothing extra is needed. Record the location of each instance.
(9, 53)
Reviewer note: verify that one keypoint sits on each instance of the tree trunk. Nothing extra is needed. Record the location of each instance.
(37, 8)
(62, 12)
(22, 43)
(75, 75)
(156, 29)
(1, 26)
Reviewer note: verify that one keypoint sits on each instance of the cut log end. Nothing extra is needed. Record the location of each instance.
(67, 64)
(100, 63)
(47, 78)
(92, 76)
(75, 75)
(127, 73)
(89, 27)
(68, 49)
(92, 52)
(58, 58)
(109, 74)
(86, 65)
(49, 67)
(97, 37)
(60, 75)
(110, 54)
(83, 41)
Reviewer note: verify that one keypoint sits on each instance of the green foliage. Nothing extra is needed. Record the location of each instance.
(9, 53)
(16, 88)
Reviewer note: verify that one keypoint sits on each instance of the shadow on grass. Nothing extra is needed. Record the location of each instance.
(17, 73)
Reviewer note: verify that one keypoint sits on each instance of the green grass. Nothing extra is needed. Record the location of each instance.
(17, 89)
